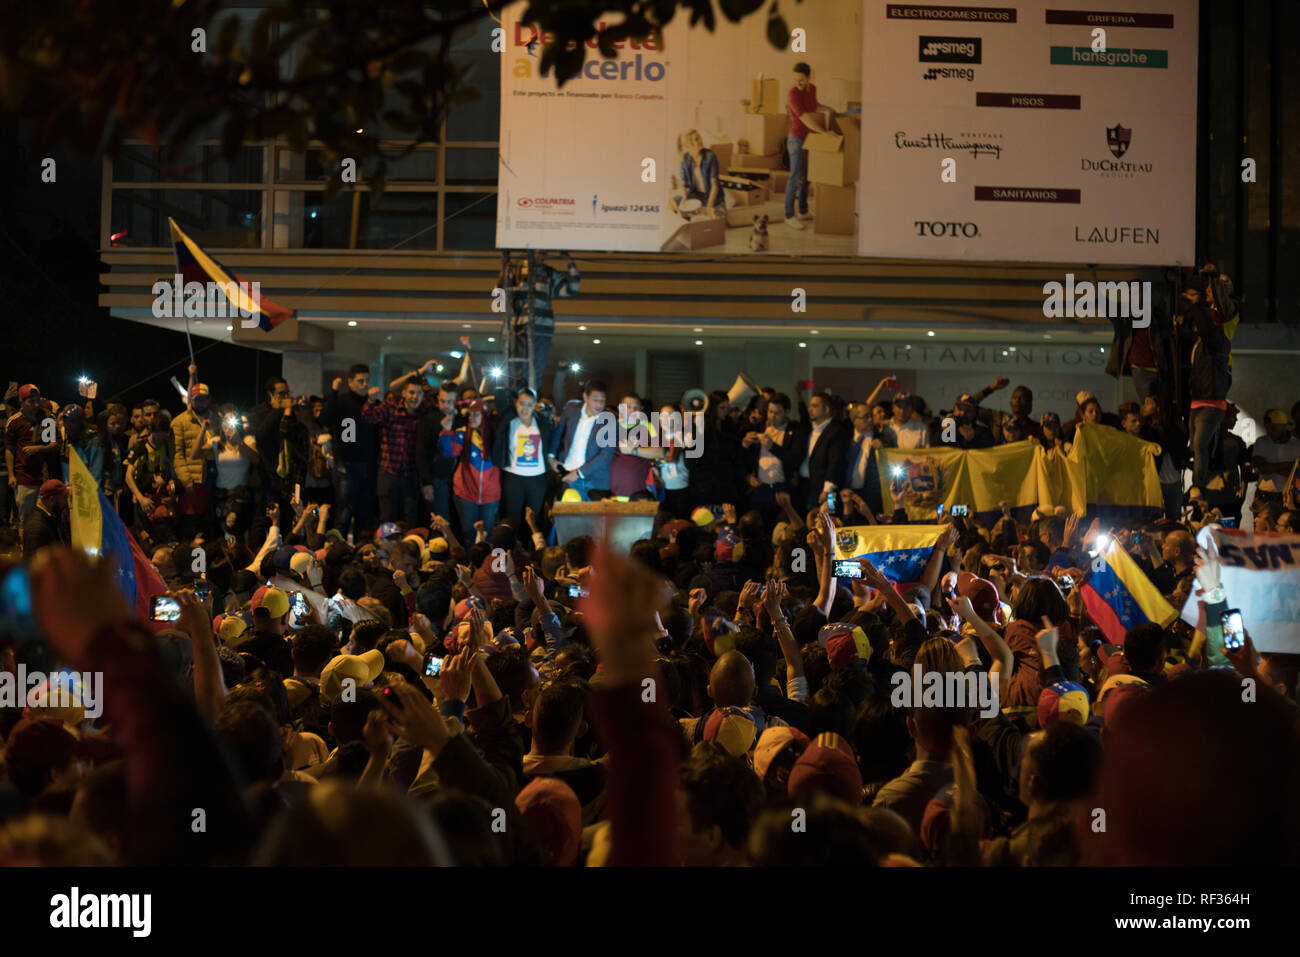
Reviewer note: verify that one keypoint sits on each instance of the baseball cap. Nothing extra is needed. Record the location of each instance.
(1276, 417)
(1065, 701)
(199, 389)
(733, 728)
(553, 816)
(26, 391)
(273, 599)
(727, 547)
(702, 516)
(363, 669)
(53, 487)
(983, 594)
(845, 644)
(719, 634)
(466, 605)
(672, 528)
(1112, 658)
(775, 754)
(229, 627)
(828, 765)
(283, 557)
(1117, 693)
(438, 547)
(74, 411)
(301, 562)
(387, 530)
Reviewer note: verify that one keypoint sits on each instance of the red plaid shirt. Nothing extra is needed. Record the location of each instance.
(397, 434)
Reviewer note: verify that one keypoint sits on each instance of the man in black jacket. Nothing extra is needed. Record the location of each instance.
(1203, 353)
(520, 446)
(772, 457)
(434, 460)
(826, 452)
(47, 524)
(354, 450)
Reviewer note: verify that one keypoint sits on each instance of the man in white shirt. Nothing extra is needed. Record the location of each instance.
(1276, 452)
(579, 465)
(906, 429)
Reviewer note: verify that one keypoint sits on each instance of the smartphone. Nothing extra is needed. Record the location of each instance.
(164, 608)
(301, 609)
(16, 616)
(847, 568)
(1228, 522)
(577, 591)
(830, 501)
(1234, 632)
(939, 510)
(202, 590)
(433, 664)
(959, 510)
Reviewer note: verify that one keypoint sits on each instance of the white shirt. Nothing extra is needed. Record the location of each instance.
(813, 436)
(1272, 453)
(770, 471)
(577, 456)
(912, 434)
(525, 450)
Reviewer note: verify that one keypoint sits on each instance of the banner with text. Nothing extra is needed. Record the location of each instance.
(1030, 131)
(680, 143)
(1260, 575)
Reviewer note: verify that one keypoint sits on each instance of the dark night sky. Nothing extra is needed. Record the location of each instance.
(53, 329)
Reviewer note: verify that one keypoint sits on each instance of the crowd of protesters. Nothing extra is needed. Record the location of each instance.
(383, 655)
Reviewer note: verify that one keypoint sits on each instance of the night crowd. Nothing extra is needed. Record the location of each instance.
(380, 653)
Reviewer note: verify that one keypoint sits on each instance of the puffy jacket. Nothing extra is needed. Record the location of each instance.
(185, 429)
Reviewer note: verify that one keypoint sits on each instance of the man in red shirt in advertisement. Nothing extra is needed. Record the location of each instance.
(802, 100)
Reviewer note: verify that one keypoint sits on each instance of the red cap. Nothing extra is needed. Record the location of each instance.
(27, 390)
(53, 487)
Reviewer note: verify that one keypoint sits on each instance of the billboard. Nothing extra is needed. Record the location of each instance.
(1029, 131)
(681, 142)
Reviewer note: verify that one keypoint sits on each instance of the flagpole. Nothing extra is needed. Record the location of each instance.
(189, 342)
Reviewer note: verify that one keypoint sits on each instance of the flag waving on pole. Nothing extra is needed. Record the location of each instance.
(98, 531)
(1118, 595)
(194, 265)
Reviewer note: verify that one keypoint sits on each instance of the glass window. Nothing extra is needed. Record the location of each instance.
(480, 118)
(213, 218)
(471, 167)
(194, 164)
(393, 221)
(470, 221)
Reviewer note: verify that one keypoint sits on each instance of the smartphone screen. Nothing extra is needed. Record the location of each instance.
(959, 509)
(301, 610)
(432, 664)
(1228, 522)
(577, 591)
(830, 501)
(1234, 632)
(847, 568)
(202, 589)
(164, 608)
(16, 616)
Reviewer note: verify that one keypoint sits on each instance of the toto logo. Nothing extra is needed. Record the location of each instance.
(524, 201)
(923, 228)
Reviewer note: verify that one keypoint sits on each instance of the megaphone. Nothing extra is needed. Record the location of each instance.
(695, 400)
(742, 391)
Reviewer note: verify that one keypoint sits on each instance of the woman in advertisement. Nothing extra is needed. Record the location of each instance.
(700, 188)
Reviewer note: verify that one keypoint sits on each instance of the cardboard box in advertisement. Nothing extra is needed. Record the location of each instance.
(697, 234)
(834, 209)
(723, 152)
(755, 162)
(765, 131)
(778, 181)
(744, 215)
(765, 96)
(746, 197)
(833, 157)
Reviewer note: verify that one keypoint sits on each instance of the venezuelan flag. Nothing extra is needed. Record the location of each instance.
(194, 265)
(1291, 494)
(1118, 595)
(97, 530)
(899, 551)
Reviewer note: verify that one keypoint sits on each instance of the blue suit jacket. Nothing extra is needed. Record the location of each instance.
(596, 461)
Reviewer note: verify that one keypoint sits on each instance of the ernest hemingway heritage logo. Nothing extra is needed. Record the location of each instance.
(916, 482)
(1118, 138)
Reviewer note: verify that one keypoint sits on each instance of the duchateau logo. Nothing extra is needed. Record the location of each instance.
(1118, 138)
